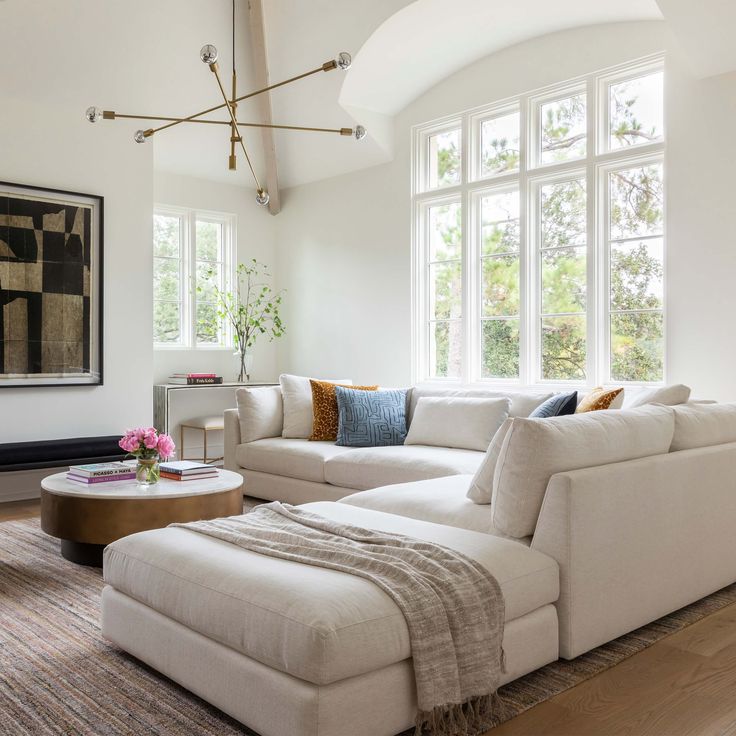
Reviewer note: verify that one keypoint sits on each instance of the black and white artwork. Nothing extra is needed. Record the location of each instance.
(50, 287)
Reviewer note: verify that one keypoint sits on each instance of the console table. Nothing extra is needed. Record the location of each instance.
(174, 403)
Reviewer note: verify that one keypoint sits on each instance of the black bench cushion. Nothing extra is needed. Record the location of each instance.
(53, 453)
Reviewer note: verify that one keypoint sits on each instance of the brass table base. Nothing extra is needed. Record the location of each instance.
(86, 524)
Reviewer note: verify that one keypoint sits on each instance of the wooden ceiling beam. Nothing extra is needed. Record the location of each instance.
(260, 66)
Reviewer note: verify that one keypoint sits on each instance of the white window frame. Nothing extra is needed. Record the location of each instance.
(188, 219)
(529, 178)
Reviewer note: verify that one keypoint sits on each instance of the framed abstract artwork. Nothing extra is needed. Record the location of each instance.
(50, 287)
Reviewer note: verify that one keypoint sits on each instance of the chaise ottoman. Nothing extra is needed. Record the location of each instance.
(294, 650)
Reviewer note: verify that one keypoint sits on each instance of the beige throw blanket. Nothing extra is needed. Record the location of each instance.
(453, 606)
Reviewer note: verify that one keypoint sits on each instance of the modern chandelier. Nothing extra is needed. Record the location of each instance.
(208, 55)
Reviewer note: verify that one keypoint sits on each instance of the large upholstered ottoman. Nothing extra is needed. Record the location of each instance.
(295, 650)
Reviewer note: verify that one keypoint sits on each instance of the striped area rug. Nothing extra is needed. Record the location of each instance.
(58, 676)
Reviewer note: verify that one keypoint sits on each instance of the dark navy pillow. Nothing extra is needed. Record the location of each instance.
(370, 421)
(556, 406)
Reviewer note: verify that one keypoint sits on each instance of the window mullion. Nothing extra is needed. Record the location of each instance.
(526, 309)
(596, 261)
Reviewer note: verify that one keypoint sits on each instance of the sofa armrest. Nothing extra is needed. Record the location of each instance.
(637, 540)
(232, 438)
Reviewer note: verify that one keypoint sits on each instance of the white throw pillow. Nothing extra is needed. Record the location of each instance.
(260, 411)
(296, 393)
(667, 395)
(535, 449)
(466, 423)
(702, 425)
(522, 404)
(481, 487)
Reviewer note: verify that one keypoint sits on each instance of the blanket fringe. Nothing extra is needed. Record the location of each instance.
(471, 718)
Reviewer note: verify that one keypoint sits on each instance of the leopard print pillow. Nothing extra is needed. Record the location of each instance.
(599, 398)
(325, 409)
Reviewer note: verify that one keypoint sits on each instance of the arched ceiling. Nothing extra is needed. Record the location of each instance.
(428, 40)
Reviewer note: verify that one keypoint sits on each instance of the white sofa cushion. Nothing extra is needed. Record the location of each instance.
(291, 457)
(296, 393)
(370, 467)
(260, 411)
(700, 425)
(522, 405)
(465, 422)
(317, 624)
(535, 449)
(481, 486)
(439, 500)
(667, 395)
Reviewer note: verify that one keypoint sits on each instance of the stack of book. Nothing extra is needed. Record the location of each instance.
(187, 470)
(195, 379)
(101, 472)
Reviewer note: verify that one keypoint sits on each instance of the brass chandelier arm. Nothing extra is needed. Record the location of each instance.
(111, 115)
(326, 67)
(234, 122)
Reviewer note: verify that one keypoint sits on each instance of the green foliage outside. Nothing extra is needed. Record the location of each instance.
(166, 306)
(636, 211)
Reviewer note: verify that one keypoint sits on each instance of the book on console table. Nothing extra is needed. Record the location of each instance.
(101, 470)
(195, 380)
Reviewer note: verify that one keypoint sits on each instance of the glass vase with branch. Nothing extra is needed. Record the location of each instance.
(251, 308)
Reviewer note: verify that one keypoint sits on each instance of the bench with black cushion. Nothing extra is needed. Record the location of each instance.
(56, 453)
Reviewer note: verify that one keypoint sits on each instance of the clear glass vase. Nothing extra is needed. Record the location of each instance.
(147, 471)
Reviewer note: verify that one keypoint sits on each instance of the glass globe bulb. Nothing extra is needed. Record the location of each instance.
(360, 132)
(262, 197)
(344, 60)
(93, 114)
(208, 54)
(140, 136)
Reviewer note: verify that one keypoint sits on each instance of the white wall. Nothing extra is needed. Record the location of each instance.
(701, 238)
(344, 257)
(344, 244)
(255, 239)
(63, 151)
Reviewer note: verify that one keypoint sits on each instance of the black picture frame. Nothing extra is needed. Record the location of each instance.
(51, 287)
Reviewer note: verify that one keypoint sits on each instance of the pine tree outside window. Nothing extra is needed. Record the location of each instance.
(539, 239)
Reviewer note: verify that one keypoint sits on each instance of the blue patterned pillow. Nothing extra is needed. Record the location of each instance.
(556, 406)
(370, 421)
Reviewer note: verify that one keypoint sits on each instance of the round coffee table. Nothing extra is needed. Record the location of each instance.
(86, 518)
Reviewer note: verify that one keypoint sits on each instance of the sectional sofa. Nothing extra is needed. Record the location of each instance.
(296, 470)
(597, 524)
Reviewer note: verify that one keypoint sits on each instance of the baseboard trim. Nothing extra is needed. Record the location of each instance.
(23, 485)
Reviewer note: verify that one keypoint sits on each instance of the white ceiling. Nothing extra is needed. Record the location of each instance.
(397, 63)
(142, 56)
(705, 31)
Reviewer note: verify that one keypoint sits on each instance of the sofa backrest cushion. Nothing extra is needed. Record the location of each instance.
(481, 487)
(673, 395)
(296, 393)
(522, 405)
(260, 411)
(535, 449)
(701, 425)
(465, 422)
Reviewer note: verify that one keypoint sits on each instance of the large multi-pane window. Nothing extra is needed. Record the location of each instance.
(192, 261)
(539, 236)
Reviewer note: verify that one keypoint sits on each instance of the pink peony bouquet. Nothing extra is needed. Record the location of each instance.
(146, 442)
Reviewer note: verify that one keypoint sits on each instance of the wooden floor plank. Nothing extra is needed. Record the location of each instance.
(16, 510)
